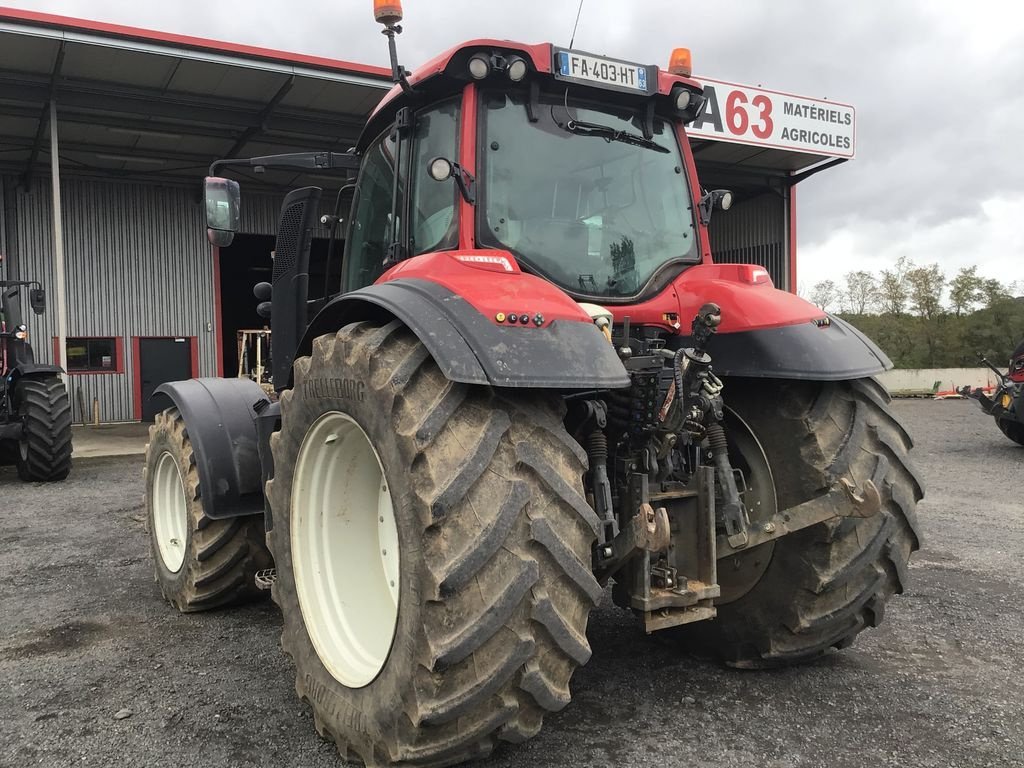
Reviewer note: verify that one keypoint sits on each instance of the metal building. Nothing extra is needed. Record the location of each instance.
(123, 122)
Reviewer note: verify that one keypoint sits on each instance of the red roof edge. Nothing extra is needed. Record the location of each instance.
(187, 41)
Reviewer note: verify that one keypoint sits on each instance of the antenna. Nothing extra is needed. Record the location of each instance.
(389, 13)
(578, 11)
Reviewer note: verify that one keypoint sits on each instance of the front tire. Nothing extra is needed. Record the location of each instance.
(488, 613)
(824, 584)
(45, 451)
(200, 563)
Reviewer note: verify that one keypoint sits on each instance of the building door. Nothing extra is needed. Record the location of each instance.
(160, 361)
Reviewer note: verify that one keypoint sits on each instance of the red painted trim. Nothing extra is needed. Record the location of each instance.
(491, 288)
(690, 164)
(188, 41)
(218, 311)
(137, 377)
(746, 305)
(118, 356)
(467, 159)
(792, 287)
(194, 344)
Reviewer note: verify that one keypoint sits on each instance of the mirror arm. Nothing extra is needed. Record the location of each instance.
(704, 208)
(312, 161)
(466, 183)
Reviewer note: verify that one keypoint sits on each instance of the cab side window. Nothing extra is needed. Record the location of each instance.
(433, 202)
(371, 229)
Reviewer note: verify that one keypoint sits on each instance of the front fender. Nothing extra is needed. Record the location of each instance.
(220, 417)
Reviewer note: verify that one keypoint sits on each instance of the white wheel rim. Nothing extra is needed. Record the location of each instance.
(170, 512)
(344, 547)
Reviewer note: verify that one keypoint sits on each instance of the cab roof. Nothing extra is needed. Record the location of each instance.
(538, 55)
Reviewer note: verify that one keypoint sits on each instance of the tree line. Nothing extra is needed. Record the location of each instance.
(923, 319)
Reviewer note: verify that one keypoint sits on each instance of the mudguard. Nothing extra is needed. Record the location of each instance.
(220, 417)
(830, 350)
(33, 369)
(765, 332)
(471, 348)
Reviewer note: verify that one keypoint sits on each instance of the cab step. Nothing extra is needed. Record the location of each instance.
(265, 578)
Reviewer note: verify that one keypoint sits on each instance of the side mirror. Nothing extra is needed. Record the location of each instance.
(223, 205)
(720, 199)
(37, 300)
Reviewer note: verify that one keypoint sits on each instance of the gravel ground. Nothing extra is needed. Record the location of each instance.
(85, 637)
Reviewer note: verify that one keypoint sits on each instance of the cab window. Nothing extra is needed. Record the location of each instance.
(370, 232)
(432, 204)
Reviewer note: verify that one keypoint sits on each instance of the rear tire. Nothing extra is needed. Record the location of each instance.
(826, 583)
(1012, 428)
(45, 450)
(494, 584)
(200, 563)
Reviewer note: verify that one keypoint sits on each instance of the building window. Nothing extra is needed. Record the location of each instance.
(93, 355)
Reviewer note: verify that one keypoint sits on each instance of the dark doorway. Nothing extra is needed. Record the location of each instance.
(244, 263)
(160, 361)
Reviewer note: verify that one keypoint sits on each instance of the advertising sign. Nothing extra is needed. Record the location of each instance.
(747, 115)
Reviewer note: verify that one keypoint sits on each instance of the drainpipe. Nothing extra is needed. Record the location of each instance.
(58, 240)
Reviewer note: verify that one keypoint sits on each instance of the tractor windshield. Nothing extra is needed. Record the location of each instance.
(581, 197)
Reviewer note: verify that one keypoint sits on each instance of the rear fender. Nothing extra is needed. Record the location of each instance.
(826, 350)
(453, 307)
(220, 418)
(765, 332)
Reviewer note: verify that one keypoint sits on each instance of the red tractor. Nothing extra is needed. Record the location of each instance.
(510, 404)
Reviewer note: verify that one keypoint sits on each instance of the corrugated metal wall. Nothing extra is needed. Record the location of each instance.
(753, 231)
(259, 212)
(137, 263)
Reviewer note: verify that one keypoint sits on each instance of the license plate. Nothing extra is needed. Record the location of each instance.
(585, 68)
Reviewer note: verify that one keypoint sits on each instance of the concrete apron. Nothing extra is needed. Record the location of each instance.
(109, 440)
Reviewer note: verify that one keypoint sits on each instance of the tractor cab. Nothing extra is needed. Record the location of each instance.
(576, 165)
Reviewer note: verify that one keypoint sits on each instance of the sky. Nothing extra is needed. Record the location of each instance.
(938, 87)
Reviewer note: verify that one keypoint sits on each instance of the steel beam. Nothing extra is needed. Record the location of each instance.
(44, 116)
(260, 123)
(84, 97)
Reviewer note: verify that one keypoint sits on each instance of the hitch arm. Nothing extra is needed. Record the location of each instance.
(843, 500)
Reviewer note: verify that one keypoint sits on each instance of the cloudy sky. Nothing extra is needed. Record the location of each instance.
(938, 87)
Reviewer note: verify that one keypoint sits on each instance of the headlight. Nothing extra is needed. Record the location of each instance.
(479, 66)
(516, 70)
